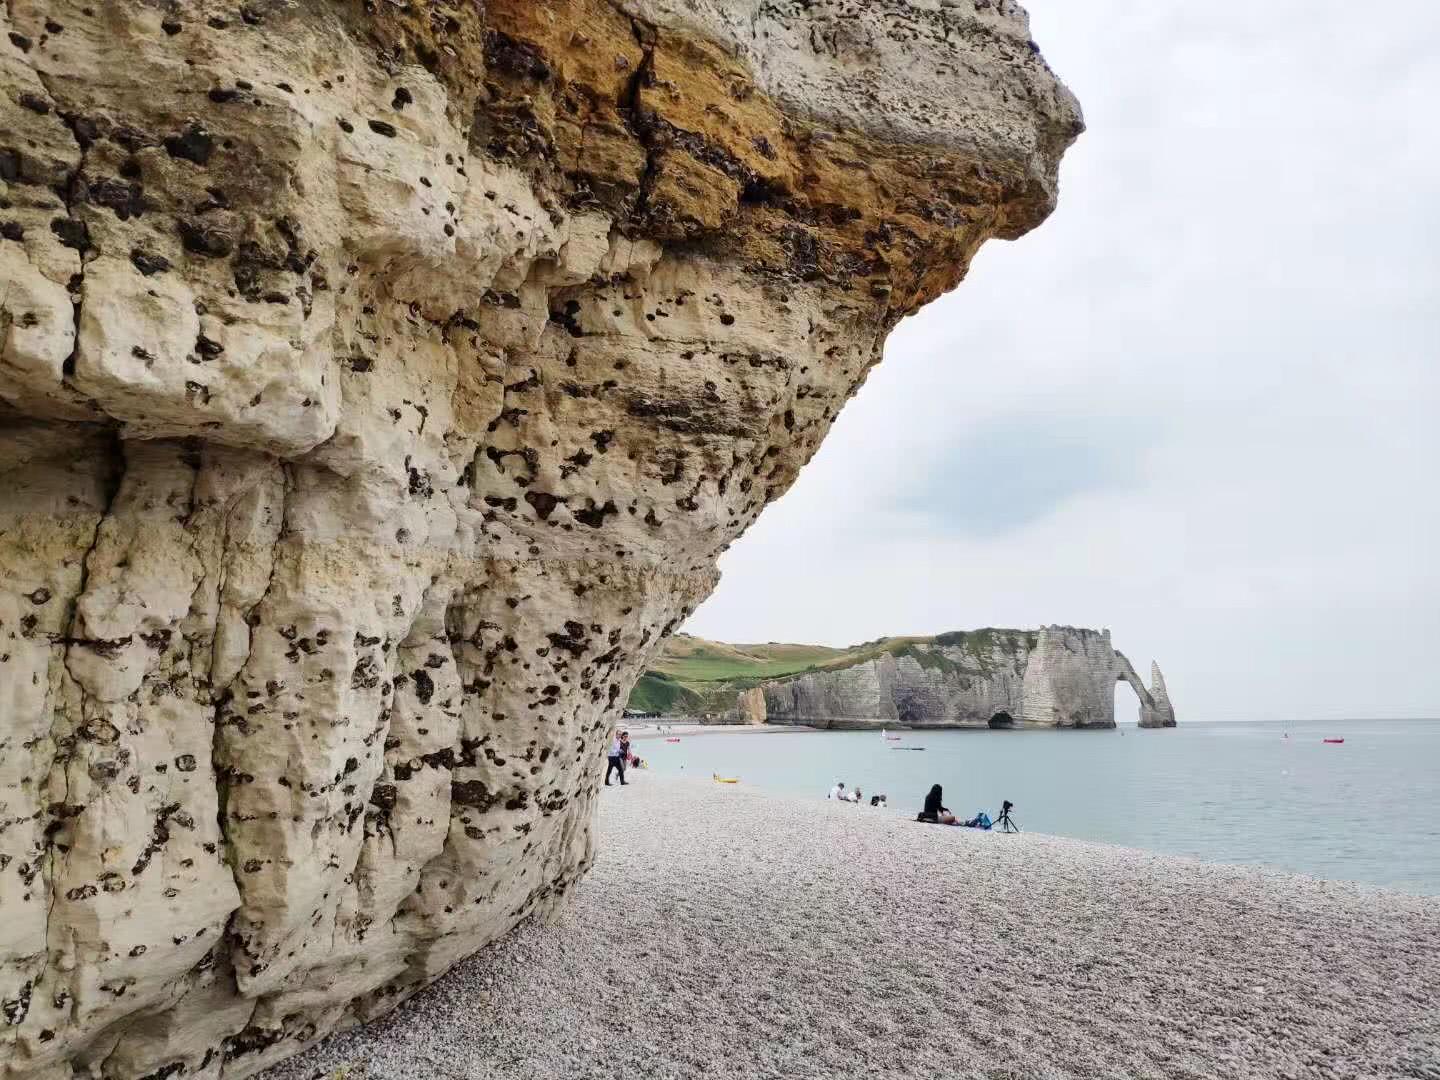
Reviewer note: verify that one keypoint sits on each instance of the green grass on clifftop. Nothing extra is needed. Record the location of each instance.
(690, 659)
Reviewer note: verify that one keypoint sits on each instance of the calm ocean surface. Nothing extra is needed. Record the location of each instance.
(1227, 792)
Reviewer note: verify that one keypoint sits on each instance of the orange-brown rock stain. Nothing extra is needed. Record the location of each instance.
(674, 135)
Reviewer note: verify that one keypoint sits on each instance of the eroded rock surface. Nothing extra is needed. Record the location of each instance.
(1055, 677)
(379, 383)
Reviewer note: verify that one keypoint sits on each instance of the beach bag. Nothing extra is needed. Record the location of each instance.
(982, 820)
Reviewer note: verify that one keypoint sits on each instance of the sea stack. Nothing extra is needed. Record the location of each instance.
(379, 384)
(1157, 711)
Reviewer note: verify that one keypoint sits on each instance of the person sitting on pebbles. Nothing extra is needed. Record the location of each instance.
(838, 792)
(934, 812)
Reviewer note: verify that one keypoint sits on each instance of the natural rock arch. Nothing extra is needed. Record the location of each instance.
(1126, 674)
(1154, 700)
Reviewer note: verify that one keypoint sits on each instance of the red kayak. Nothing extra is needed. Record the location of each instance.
(672, 740)
(1332, 740)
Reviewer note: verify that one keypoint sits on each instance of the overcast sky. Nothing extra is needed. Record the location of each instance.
(1198, 406)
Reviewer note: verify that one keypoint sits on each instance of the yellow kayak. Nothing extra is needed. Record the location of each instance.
(725, 779)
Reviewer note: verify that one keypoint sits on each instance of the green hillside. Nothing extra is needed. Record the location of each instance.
(693, 676)
(693, 659)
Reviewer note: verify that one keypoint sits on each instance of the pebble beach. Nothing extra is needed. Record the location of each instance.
(729, 933)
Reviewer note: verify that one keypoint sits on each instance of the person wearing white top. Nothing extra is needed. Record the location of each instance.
(838, 792)
(616, 760)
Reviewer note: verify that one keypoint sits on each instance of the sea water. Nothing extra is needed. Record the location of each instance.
(1271, 794)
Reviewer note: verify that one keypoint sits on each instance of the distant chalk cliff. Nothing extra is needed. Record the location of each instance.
(1057, 677)
(1054, 677)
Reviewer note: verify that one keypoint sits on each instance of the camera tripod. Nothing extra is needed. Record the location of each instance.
(1006, 823)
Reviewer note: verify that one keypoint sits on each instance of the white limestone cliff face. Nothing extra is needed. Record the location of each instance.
(1055, 677)
(379, 383)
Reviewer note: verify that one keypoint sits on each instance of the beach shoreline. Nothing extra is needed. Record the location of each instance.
(727, 932)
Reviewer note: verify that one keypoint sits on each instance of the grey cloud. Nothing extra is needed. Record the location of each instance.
(1010, 471)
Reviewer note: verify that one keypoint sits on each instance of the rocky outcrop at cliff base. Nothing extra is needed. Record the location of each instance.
(379, 383)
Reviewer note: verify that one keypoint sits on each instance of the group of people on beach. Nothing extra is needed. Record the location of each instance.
(839, 793)
(621, 757)
(934, 811)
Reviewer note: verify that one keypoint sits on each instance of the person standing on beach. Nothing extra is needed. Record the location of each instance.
(618, 749)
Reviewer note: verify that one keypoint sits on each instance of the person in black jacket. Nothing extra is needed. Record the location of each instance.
(934, 812)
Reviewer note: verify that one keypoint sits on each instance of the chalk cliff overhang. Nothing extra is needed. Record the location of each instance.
(378, 384)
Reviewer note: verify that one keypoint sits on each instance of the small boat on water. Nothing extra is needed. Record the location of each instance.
(1336, 741)
(724, 779)
(888, 737)
(907, 748)
(673, 740)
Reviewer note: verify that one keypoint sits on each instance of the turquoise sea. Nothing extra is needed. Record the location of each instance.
(1271, 794)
